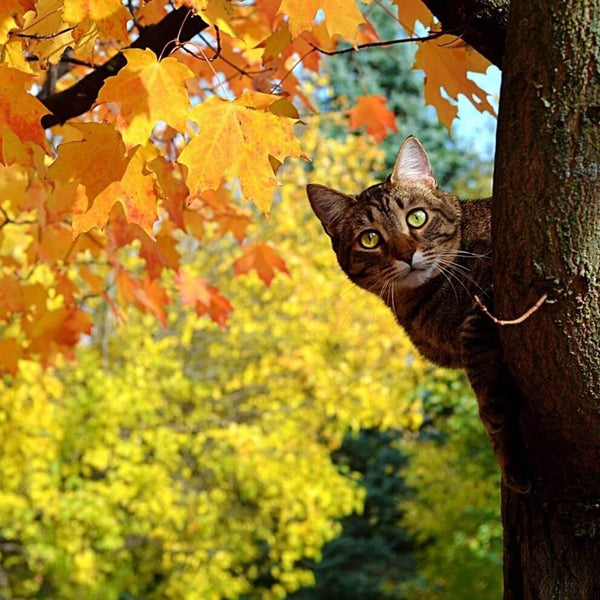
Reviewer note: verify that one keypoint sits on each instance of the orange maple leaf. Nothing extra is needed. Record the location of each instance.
(135, 191)
(204, 298)
(11, 351)
(148, 91)
(148, 295)
(20, 111)
(95, 161)
(55, 331)
(261, 258)
(236, 139)
(372, 112)
(446, 62)
(192, 289)
(410, 11)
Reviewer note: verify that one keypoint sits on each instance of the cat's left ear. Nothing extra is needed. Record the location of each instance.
(328, 204)
(412, 164)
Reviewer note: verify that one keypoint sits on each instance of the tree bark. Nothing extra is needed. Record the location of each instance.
(481, 23)
(546, 231)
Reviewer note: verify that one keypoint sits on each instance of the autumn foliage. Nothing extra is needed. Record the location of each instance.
(126, 130)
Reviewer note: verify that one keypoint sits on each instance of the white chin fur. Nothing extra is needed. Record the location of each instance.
(412, 278)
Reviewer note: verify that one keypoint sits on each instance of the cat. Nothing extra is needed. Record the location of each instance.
(427, 254)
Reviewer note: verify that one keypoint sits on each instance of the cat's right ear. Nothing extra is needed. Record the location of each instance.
(412, 164)
(328, 204)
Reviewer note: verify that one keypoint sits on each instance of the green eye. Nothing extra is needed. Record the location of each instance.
(369, 239)
(416, 218)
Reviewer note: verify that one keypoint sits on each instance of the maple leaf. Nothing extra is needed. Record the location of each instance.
(46, 22)
(446, 62)
(96, 283)
(95, 161)
(13, 184)
(20, 111)
(225, 214)
(147, 91)
(372, 112)
(11, 351)
(261, 258)
(54, 331)
(236, 139)
(55, 242)
(134, 191)
(110, 16)
(341, 18)
(204, 298)
(172, 189)
(192, 289)
(148, 295)
(411, 11)
(161, 253)
(151, 12)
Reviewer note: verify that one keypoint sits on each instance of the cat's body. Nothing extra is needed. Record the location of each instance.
(427, 254)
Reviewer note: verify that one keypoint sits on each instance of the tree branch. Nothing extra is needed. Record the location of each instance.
(160, 38)
(484, 23)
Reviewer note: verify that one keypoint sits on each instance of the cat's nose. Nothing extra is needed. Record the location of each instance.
(406, 256)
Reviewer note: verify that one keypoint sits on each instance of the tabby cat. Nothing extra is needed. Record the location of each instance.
(426, 254)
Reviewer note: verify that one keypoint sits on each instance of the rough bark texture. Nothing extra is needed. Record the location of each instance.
(481, 23)
(546, 226)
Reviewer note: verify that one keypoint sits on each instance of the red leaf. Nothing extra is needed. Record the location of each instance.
(261, 258)
(372, 112)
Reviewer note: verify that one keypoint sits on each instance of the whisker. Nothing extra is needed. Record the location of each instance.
(450, 272)
(453, 264)
(440, 270)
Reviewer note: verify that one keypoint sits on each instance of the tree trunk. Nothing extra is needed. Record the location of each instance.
(480, 23)
(546, 226)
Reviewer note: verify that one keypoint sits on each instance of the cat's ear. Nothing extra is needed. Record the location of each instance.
(328, 204)
(412, 164)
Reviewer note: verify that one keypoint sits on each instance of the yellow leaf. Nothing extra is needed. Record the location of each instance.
(20, 111)
(134, 190)
(110, 16)
(148, 91)
(236, 140)
(47, 20)
(342, 17)
(95, 161)
(13, 183)
(446, 62)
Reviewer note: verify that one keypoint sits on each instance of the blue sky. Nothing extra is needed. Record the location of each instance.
(473, 129)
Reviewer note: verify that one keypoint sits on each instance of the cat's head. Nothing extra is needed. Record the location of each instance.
(400, 232)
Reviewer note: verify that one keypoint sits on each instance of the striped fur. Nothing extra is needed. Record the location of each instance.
(428, 277)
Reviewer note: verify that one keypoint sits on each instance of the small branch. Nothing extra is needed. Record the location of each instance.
(9, 221)
(158, 37)
(203, 56)
(48, 36)
(426, 38)
(226, 60)
(516, 321)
